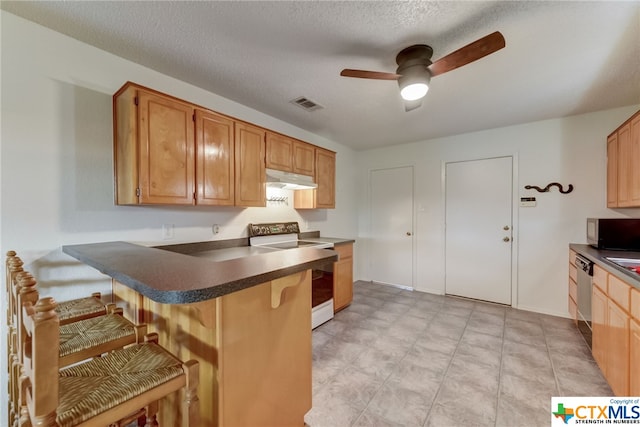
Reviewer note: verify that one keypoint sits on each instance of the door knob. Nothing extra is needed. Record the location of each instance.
(505, 228)
(408, 233)
(506, 239)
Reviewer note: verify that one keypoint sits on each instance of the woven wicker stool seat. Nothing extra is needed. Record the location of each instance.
(86, 338)
(98, 334)
(100, 384)
(115, 389)
(81, 308)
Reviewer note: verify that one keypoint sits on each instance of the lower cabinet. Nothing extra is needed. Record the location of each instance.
(343, 277)
(618, 349)
(634, 357)
(616, 335)
(598, 325)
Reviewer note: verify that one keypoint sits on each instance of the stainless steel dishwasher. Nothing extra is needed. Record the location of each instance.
(585, 278)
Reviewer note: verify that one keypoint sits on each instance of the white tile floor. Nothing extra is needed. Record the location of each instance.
(402, 358)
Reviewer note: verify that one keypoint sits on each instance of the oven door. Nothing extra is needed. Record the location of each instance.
(321, 295)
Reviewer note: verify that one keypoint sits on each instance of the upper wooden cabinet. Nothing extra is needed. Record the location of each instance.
(304, 158)
(250, 165)
(325, 178)
(323, 197)
(170, 152)
(215, 159)
(279, 152)
(153, 149)
(634, 151)
(289, 155)
(623, 165)
(612, 171)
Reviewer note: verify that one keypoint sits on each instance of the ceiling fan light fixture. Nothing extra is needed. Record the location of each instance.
(414, 86)
(414, 91)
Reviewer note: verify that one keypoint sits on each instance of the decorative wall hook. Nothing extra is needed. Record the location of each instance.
(546, 189)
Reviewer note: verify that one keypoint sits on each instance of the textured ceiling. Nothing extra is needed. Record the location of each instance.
(561, 58)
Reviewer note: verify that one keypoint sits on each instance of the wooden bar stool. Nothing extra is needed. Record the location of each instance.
(102, 390)
(85, 338)
(78, 340)
(68, 311)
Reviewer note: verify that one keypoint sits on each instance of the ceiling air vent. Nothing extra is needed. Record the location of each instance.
(306, 104)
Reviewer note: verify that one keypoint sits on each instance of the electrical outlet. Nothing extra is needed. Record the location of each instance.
(215, 229)
(167, 231)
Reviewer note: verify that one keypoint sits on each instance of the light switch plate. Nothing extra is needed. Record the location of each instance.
(527, 202)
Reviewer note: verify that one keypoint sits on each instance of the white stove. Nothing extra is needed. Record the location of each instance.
(287, 241)
(284, 236)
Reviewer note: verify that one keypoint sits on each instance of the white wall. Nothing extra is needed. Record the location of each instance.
(57, 179)
(569, 150)
(56, 162)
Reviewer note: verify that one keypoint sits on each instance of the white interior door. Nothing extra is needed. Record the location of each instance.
(479, 229)
(391, 243)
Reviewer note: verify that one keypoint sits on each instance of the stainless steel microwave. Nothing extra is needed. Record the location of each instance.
(614, 233)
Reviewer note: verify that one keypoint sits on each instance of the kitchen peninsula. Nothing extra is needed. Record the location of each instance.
(246, 319)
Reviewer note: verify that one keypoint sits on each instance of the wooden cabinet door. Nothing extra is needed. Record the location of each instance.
(304, 158)
(598, 323)
(250, 165)
(166, 148)
(624, 165)
(215, 156)
(343, 277)
(634, 358)
(325, 178)
(279, 152)
(612, 171)
(618, 349)
(634, 154)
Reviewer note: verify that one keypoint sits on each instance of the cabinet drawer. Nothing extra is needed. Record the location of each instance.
(600, 278)
(573, 273)
(635, 304)
(573, 290)
(344, 251)
(572, 257)
(619, 292)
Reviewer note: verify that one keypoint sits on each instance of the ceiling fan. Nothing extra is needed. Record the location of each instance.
(415, 68)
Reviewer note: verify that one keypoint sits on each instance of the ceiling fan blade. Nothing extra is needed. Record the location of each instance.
(412, 105)
(469, 53)
(363, 74)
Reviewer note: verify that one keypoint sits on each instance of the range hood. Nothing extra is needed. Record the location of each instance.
(289, 181)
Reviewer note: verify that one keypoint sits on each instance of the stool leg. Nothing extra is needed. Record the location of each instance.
(152, 412)
(191, 403)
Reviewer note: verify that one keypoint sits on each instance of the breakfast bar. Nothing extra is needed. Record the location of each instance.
(246, 318)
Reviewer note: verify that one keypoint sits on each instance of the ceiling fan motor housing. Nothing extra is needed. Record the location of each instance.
(413, 62)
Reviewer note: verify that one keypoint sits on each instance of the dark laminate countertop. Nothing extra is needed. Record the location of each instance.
(599, 257)
(181, 274)
(334, 240)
